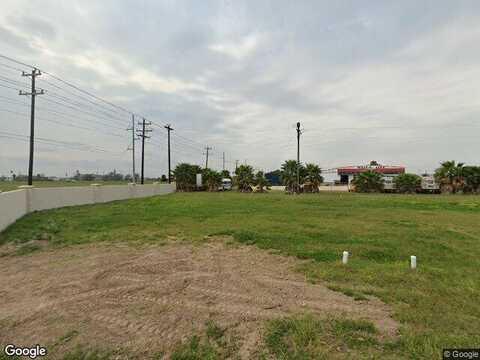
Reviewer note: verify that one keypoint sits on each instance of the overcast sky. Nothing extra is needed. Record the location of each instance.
(392, 81)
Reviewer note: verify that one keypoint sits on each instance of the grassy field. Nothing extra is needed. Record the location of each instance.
(13, 185)
(438, 304)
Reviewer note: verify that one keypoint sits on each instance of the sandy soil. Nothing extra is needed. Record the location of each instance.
(142, 300)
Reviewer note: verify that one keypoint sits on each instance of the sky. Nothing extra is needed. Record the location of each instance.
(393, 81)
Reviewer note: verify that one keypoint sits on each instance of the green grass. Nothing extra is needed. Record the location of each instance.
(213, 345)
(437, 304)
(306, 337)
(195, 349)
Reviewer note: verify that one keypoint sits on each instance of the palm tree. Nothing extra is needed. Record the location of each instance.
(212, 179)
(261, 182)
(244, 178)
(368, 181)
(450, 176)
(289, 175)
(313, 177)
(226, 174)
(471, 174)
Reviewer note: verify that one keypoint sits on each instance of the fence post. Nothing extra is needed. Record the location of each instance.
(132, 190)
(95, 189)
(28, 197)
(156, 188)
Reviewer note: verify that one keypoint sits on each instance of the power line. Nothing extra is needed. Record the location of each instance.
(11, 67)
(80, 96)
(76, 109)
(92, 108)
(61, 123)
(16, 61)
(71, 145)
(80, 106)
(13, 82)
(10, 87)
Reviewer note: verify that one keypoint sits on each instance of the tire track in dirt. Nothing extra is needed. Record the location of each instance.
(128, 297)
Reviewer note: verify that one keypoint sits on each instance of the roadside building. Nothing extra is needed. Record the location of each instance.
(388, 172)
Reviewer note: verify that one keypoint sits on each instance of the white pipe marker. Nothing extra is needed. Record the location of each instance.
(413, 262)
(345, 257)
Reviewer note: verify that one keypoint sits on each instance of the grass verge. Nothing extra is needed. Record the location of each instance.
(437, 304)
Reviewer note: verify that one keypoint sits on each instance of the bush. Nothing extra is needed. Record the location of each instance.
(186, 176)
(368, 181)
(407, 183)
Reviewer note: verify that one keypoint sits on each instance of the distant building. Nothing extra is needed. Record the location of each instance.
(389, 172)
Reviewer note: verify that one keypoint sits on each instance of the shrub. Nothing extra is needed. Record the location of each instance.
(407, 183)
(186, 176)
(368, 181)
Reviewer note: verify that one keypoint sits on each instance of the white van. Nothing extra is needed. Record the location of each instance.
(226, 184)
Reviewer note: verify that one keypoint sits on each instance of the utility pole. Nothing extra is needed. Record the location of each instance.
(169, 128)
(207, 148)
(236, 165)
(223, 161)
(142, 135)
(132, 148)
(299, 132)
(33, 94)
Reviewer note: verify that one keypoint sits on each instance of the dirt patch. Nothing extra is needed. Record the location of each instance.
(139, 301)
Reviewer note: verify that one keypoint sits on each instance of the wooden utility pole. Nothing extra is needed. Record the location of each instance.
(169, 128)
(142, 135)
(207, 148)
(132, 148)
(299, 132)
(33, 94)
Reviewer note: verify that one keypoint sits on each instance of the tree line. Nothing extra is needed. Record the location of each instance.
(247, 180)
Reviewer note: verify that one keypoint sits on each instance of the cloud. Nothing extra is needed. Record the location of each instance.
(238, 50)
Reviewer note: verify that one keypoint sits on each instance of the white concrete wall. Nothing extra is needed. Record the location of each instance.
(15, 204)
(51, 198)
(111, 193)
